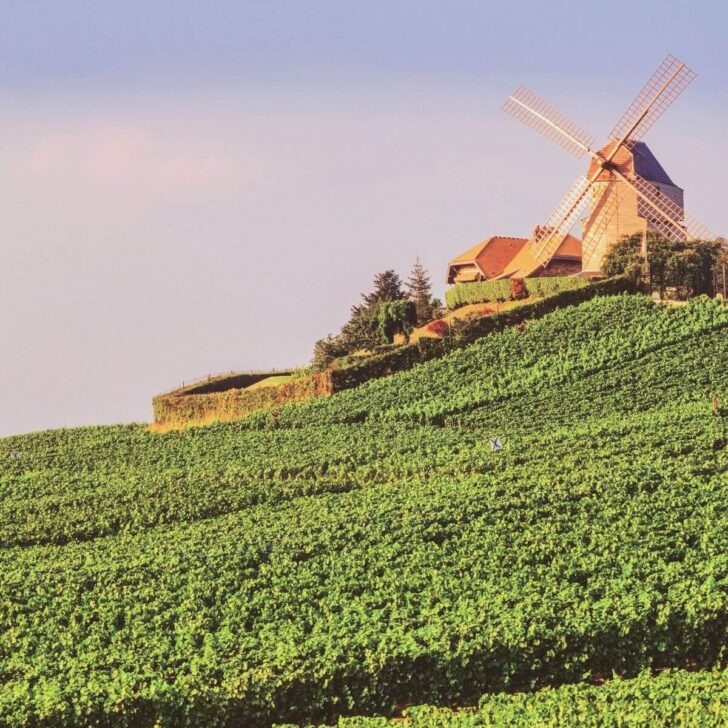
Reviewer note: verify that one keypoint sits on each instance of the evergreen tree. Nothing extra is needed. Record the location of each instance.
(361, 331)
(419, 291)
(387, 287)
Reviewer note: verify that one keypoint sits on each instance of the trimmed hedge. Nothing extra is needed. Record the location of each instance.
(234, 380)
(478, 292)
(179, 408)
(500, 290)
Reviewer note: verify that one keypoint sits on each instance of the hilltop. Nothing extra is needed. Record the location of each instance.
(369, 551)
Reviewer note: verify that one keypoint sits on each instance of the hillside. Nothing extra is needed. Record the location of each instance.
(369, 551)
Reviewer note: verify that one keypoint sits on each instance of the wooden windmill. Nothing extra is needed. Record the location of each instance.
(617, 198)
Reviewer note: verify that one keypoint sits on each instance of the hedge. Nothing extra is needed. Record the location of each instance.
(178, 408)
(478, 292)
(500, 290)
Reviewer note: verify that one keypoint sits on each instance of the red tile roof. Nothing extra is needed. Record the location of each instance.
(490, 256)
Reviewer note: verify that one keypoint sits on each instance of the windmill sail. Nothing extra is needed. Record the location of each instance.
(665, 85)
(664, 215)
(540, 115)
(599, 225)
(548, 238)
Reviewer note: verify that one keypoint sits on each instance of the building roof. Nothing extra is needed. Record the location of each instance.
(525, 264)
(570, 248)
(503, 257)
(470, 254)
(647, 166)
(490, 256)
(635, 156)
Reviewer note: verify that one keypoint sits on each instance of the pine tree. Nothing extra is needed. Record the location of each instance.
(387, 287)
(419, 291)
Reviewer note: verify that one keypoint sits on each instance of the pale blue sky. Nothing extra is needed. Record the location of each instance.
(191, 187)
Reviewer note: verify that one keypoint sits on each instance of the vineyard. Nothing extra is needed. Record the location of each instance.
(363, 553)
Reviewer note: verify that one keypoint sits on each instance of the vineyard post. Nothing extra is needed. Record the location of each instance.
(643, 250)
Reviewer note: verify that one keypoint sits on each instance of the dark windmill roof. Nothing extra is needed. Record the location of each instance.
(647, 166)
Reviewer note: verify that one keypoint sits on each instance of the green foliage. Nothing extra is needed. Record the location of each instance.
(396, 317)
(325, 351)
(478, 292)
(363, 329)
(500, 290)
(551, 285)
(672, 699)
(624, 257)
(688, 267)
(419, 291)
(463, 333)
(369, 550)
(387, 286)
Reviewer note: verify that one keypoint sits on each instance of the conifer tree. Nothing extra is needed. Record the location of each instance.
(387, 287)
(419, 291)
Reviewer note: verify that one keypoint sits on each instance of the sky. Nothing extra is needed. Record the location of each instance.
(196, 187)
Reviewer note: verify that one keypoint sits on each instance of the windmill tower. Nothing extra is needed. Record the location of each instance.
(625, 191)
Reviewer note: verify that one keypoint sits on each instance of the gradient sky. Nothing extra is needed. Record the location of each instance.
(193, 187)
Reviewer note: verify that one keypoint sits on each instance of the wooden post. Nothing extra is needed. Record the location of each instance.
(643, 249)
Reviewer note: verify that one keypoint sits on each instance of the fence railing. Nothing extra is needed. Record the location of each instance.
(222, 375)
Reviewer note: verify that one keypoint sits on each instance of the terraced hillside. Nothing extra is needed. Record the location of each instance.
(370, 551)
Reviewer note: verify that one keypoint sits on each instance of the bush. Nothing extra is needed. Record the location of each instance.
(518, 289)
(438, 327)
(178, 409)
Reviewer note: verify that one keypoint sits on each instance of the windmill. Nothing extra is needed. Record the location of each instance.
(618, 199)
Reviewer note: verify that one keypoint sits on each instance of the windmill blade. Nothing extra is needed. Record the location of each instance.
(604, 206)
(533, 111)
(548, 238)
(665, 215)
(666, 84)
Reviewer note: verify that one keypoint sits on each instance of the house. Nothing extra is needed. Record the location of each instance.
(504, 257)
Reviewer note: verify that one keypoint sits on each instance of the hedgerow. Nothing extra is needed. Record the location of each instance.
(500, 290)
(369, 551)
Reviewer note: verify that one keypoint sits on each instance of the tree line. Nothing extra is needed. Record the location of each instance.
(681, 268)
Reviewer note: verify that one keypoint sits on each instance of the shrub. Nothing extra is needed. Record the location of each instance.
(396, 317)
(438, 327)
(518, 289)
